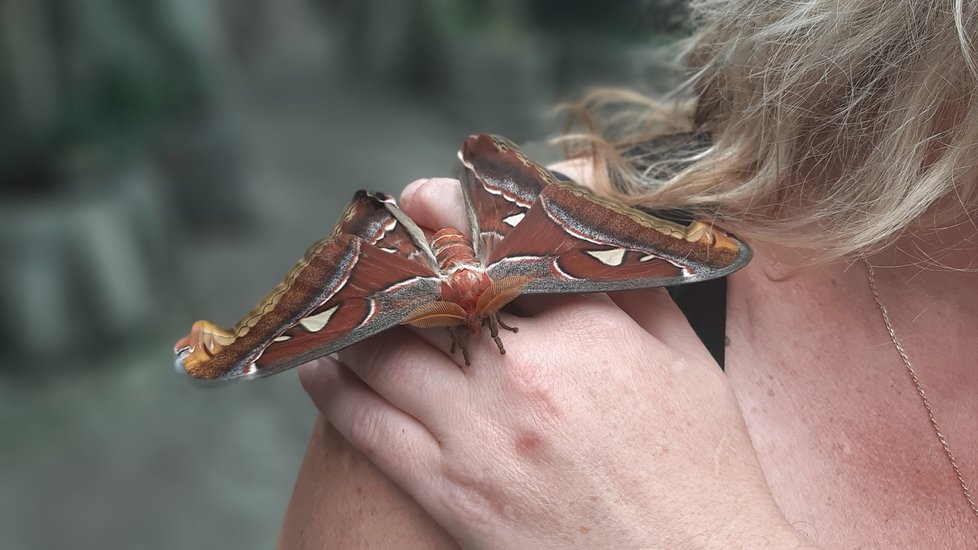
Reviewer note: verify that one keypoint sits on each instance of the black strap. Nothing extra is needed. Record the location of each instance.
(705, 307)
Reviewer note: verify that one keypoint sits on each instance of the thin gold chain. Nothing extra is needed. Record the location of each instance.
(920, 390)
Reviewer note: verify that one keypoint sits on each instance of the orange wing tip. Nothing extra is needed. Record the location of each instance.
(194, 350)
(711, 235)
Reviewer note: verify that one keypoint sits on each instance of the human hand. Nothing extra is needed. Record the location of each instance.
(606, 424)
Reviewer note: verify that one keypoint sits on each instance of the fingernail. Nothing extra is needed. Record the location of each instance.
(311, 371)
(413, 187)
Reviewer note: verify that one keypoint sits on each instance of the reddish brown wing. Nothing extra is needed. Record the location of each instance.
(376, 218)
(574, 241)
(368, 277)
(379, 293)
(567, 239)
(499, 183)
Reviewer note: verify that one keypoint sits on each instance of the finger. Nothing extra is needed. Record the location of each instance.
(650, 310)
(400, 446)
(441, 339)
(655, 311)
(478, 347)
(531, 305)
(393, 440)
(572, 316)
(406, 370)
(435, 203)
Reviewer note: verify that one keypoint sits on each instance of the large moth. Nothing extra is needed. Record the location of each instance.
(528, 233)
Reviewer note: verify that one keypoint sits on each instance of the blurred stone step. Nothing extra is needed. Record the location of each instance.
(80, 271)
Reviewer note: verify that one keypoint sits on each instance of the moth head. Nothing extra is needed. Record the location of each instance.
(475, 323)
(204, 341)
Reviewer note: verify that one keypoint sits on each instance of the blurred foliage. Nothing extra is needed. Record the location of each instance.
(500, 19)
(613, 19)
(420, 45)
(82, 83)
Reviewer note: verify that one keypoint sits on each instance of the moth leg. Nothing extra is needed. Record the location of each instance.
(505, 326)
(458, 343)
(494, 324)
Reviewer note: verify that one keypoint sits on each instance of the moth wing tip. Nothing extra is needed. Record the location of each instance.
(201, 376)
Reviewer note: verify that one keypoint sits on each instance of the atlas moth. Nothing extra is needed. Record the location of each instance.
(529, 233)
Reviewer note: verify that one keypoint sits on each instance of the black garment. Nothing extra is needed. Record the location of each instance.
(705, 307)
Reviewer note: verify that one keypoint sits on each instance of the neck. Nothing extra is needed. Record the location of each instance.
(919, 276)
(940, 266)
(948, 249)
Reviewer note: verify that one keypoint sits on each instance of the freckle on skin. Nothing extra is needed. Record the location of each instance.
(528, 445)
(584, 530)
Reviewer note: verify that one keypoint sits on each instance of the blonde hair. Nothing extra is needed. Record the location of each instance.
(824, 125)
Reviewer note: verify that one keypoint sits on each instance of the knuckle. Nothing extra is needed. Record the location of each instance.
(470, 506)
(370, 358)
(474, 497)
(594, 325)
(431, 191)
(367, 429)
(435, 202)
(534, 384)
(413, 187)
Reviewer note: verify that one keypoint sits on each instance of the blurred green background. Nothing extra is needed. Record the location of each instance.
(168, 160)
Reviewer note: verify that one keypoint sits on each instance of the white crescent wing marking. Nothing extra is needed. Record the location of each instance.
(315, 323)
(513, 220)
(613, 257)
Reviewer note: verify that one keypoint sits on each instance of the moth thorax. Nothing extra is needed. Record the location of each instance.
(452, 250)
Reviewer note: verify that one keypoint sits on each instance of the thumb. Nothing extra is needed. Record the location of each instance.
(435, 203)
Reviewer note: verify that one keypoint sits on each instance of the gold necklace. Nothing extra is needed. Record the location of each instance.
(920, 389)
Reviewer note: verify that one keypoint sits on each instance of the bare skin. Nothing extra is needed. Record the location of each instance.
(341, 500)
(838, 428)
(840, 431)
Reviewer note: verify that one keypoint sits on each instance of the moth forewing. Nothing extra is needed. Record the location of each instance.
(376, 218)
(346, 291)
